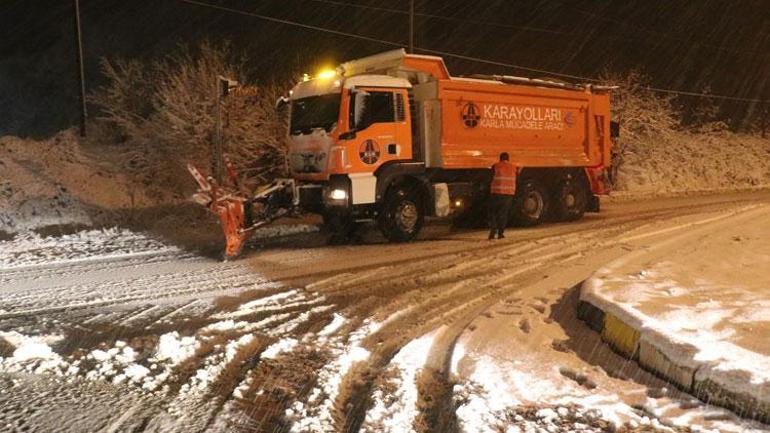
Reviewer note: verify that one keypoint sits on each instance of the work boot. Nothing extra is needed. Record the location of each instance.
(491, 234)
(500, 236)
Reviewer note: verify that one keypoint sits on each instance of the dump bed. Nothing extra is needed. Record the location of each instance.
(537, 126)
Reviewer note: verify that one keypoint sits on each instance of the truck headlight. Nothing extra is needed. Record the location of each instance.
(338, 194)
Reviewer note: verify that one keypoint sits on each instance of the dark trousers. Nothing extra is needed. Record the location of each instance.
(499, 208)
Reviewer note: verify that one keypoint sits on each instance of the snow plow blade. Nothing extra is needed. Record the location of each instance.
(240, 213)
(231, 216)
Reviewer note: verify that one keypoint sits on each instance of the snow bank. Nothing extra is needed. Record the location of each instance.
(280, 346)
(174, 348)
(33, 351)
(278, 230)
(698, 305)
(337, 321)
(33, 354)
(31, 249)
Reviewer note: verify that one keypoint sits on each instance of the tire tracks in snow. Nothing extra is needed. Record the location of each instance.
(438, 291)
(498, 285)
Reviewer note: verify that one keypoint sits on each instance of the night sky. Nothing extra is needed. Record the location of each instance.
(684, 45)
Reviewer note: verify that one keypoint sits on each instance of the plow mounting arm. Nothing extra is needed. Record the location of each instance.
(239, 212)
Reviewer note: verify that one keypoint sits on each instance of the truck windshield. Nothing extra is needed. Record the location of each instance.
(314, 112)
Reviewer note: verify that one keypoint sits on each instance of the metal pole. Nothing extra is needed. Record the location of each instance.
(411, 26)
(81, 73)
(216, 151)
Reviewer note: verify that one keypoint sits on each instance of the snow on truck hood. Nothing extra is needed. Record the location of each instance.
(376, 81)
(325, 86)
(315, 87)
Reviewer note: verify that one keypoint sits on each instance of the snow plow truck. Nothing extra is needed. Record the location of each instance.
(393, 138)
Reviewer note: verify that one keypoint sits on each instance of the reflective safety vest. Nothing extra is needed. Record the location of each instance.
(504, 182)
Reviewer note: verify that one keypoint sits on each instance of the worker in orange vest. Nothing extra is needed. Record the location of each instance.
(501, 200)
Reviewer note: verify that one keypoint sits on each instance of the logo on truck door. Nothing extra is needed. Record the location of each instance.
(369, 151)
(471, 115)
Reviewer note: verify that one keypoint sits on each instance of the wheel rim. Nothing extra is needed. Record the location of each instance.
(570, 200)
(533, 205)
(407, 215)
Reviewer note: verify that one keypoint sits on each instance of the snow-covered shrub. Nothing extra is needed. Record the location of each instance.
(639, 110)
(164, 113)
(658, 151)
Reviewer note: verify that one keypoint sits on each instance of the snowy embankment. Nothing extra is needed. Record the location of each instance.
(695, 312)
(31, 249)
(279, 230)
(680, 161)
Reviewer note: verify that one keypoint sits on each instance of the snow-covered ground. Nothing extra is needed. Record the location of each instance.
(395, 401)
(364, 338)
(526, 394)
(317, 413)
(80, 280)
(702, 302)
(498, 394)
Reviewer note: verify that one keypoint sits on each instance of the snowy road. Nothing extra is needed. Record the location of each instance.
(117, 332)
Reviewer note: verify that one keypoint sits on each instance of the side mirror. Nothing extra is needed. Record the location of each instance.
(348, 135)
(281, 102)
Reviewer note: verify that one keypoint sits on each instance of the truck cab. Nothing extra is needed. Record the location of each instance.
(343, 132)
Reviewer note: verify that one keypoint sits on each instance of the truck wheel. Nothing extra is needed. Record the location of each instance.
(402, 215)
(570, 200)
(530, 205)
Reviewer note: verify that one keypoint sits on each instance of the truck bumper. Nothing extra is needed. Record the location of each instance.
(335, 193)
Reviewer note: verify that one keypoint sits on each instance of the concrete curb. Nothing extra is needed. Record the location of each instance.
(623, 331)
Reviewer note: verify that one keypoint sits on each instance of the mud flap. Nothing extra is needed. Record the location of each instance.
(593, 203)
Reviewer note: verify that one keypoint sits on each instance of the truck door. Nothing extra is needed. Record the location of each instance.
(383, 130)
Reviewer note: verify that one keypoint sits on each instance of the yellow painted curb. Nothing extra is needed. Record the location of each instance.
(652, 358)
(620, 336)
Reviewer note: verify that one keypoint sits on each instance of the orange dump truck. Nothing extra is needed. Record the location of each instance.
(393, 138)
